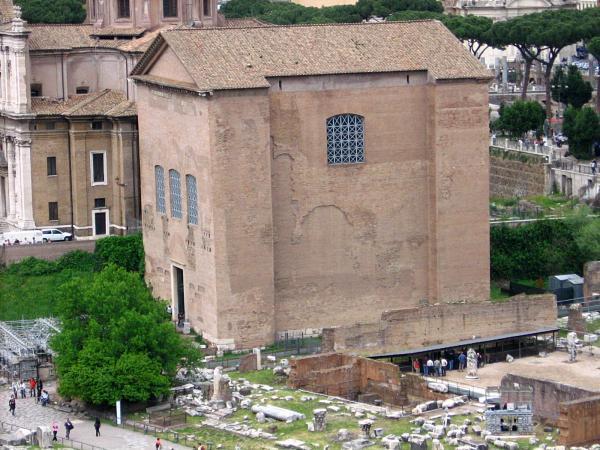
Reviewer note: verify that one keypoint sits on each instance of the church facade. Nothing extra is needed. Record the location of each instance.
(295, 178)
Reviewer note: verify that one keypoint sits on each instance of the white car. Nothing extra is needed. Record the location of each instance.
(52, 234)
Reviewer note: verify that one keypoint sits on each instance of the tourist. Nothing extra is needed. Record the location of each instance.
(429, 367)
(158, 444)
(23, 388)
(32, 384)
(68, 427)
(416, 366)
(12, 404)
(594, 166)
(54, 430)
(462, 361)
(15, 388)
(97, 426)
(45, 397)
(438, 367)
(451, 356)
(444, 363)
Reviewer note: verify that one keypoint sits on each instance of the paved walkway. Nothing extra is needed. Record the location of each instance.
(30, 415)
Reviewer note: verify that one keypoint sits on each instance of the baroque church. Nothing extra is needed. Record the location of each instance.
(69, 155)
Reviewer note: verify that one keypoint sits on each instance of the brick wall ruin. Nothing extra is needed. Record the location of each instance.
(412, 328)
(517, 178)
(547, 395)
(358, 378)
(579, 421)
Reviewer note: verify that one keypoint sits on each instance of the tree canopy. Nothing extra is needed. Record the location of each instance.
(116, 340)
(582, 127)
(52, 11)
(520, 117)
(284, 13)
(593, 47)
(570, 88)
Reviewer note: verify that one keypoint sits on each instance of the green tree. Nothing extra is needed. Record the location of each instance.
(123, 251)
(588, 240)
(570, 88)
(52, 11)
(593, 47)
(474, 31)
(520, 117)
(116, 341)
(582, 127)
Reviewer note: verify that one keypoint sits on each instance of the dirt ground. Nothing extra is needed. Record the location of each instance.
(584, 373)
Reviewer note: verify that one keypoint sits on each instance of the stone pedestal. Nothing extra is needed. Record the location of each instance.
(43, 436)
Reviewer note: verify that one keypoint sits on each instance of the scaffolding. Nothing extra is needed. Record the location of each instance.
(25, 340)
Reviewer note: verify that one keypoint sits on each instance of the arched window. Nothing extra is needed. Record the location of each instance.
(192, 199)
(123, 10)
(175, 188)
(345, 139)
(169, 8)
(159, 186)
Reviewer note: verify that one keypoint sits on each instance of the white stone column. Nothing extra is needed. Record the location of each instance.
(25, 186)
(2, 197)
(10, 156)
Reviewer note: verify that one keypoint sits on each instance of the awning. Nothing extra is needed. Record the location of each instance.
(466, 343)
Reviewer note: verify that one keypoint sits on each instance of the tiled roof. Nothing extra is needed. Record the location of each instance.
(240, 23)
(116, 31)
(65, 37)
(238, 58)
(107, 103)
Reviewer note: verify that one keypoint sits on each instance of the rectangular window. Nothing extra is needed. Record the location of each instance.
(51, 165)
(159, 186)
(192, 199)
(97, 125)
(82, 90)
(52, 210)
(169, 8)
(98, 167)
(99, 203)
(36, 90)
(175, 187)
(123, 10)
(206, 8)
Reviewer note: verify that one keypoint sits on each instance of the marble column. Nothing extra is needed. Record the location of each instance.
(10, 156)
(25, 185)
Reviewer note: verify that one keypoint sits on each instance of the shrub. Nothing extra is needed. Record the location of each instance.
(77, 260)
(124, 251)
(32, 266)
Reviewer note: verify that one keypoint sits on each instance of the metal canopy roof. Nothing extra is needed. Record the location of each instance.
(433, 348)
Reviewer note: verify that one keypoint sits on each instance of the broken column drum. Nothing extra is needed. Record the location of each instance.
(319, 419)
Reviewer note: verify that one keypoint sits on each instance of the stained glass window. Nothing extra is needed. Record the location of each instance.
(192, 199)
(175, 187)
(159, 181)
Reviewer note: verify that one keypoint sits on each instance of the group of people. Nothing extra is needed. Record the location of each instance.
(158, 445)
(438, 366)
(33, 386)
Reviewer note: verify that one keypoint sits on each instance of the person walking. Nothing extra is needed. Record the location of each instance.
(15, 388)
(32, 384)
(54, 430)
(462, 361)
(97, 426)
(444, 363)
(23, 387)
(158, 444)
(68, 427)
(12, 404)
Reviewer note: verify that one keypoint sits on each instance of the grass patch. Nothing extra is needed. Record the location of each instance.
(497, 294)
(32, 296)
(265, 376)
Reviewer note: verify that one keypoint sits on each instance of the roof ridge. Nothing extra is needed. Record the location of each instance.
(92, 98)
(58, 25)
(300, 25)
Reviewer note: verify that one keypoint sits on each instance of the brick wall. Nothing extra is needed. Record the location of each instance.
(547, 395)
(350, 376)
(14, 253)
(516, 178)
(411, 328)
(579, 421)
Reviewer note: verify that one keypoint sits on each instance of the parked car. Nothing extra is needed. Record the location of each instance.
(52, 235)
(21, 237)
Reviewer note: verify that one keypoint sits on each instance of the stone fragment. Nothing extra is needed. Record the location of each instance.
(260, 417)
(342, 434)
(277, 413)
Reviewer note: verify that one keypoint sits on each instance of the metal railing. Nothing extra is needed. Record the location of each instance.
(549, 151)
(572, 166)
(8, 427)
(162, 432)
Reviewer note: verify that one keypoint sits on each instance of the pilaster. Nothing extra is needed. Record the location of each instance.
(26, 198)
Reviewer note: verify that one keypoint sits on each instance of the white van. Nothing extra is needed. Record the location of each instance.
(52, 235)
(22, 237)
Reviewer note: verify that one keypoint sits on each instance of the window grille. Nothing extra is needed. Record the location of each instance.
(175, 187)
(192, 199)
(159, 181)
(345, 139)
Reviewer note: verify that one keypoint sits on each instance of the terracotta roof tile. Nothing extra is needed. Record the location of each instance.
(107, 103)
(238, 58)
(116, 31)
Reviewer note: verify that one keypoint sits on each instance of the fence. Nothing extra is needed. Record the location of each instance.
(285, 346)
(572, 166)
(7, 427)
(163, 433)
(548, 151)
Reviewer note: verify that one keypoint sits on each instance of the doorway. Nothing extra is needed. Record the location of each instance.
(100, 222)
(179, 294)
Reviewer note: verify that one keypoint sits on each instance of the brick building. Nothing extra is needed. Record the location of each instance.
(295, 178)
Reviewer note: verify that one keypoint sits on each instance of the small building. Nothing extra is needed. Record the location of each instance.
(513, 414)
(566, 287)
